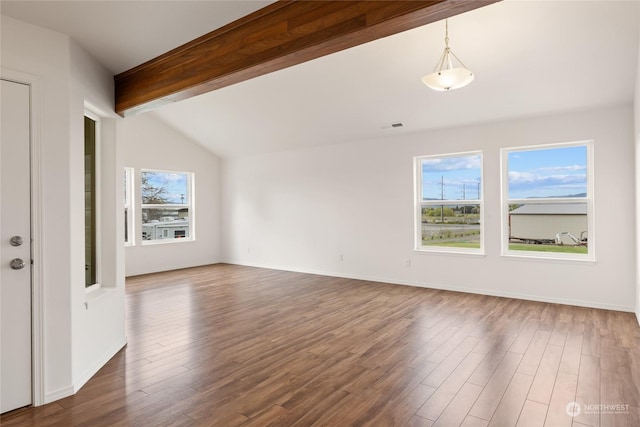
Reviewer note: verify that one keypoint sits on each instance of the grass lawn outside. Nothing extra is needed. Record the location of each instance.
(474, 245)
(548, 248)
(513, 247)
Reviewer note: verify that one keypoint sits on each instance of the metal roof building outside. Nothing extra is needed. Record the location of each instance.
(551, 209)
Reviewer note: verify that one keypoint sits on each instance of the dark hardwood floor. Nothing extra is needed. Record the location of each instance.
(226, 345)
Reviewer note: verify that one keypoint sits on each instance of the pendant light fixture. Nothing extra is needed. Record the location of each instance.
(449, 73)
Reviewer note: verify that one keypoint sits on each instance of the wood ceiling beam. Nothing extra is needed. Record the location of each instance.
(280, 35)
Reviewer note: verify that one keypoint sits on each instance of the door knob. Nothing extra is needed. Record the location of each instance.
(17, 264)
(16, 241)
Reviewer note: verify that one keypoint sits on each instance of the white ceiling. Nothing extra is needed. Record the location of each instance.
(529, 57)
(122, 34)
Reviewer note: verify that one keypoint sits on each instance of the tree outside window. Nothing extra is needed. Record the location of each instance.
(167, 206)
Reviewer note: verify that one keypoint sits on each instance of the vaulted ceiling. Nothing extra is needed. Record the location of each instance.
(529, 57)
(281, 35)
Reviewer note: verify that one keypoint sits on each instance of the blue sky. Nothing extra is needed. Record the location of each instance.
(551, 172)
(461, 176)
(548, 172)
(175, 184)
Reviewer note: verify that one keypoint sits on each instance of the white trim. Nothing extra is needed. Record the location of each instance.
(190, 205)
(89, 373)
(471, 252)
(165, 241)
(61, 393)
(488, 292)
(418, 203)
(175, 267)
(37, 292)
(96, 293)
(95, 114)
(588, 200)
(554, 256)
(129, 172)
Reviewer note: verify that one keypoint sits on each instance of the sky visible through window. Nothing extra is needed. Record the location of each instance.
(452, 178)
(552, 172)
(174, 185)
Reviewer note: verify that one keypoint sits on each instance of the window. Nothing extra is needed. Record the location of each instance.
(167, 206)
(449, 203)
(91, 132)
(547, 201)
(129, 239)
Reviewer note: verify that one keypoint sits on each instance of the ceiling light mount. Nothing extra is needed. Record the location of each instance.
(449, 73)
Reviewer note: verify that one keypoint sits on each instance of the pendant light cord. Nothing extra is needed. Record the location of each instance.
(446, 33)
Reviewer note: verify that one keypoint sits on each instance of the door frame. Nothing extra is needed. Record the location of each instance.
(37, 301)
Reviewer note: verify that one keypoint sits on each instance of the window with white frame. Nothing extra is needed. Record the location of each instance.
(129, 236)
(167, 206)
(449, 203)
(91, 197)
(547, 194)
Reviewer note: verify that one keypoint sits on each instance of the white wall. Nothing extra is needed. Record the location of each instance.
(150, 144)
(99, 325)
(300, 210)
(76, 338)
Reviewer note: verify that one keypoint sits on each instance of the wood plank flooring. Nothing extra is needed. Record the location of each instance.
(226, 345)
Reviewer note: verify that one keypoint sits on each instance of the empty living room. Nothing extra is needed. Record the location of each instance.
(320, 213)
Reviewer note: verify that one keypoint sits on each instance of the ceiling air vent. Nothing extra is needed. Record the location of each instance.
(393, 125)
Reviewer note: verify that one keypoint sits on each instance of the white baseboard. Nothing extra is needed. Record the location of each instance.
(58, 394)
(86, 376)
(490, 292)
(140, 272)
(77, 385)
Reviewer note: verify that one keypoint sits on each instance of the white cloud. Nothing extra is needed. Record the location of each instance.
(451, 163)
(527, 184)
(568, 168)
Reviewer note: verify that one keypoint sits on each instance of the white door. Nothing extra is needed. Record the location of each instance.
(15, 247)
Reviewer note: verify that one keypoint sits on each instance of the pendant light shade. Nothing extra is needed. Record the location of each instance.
(449, 73)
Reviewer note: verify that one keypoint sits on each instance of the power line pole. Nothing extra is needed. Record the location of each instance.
(464, 197)
(442, 198)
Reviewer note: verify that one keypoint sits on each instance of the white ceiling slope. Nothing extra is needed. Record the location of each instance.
(529, 57)
(122, 34)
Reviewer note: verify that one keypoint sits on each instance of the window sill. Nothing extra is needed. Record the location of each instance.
(533, 256)
(452, 251)
(95, 293)
(164, 241)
